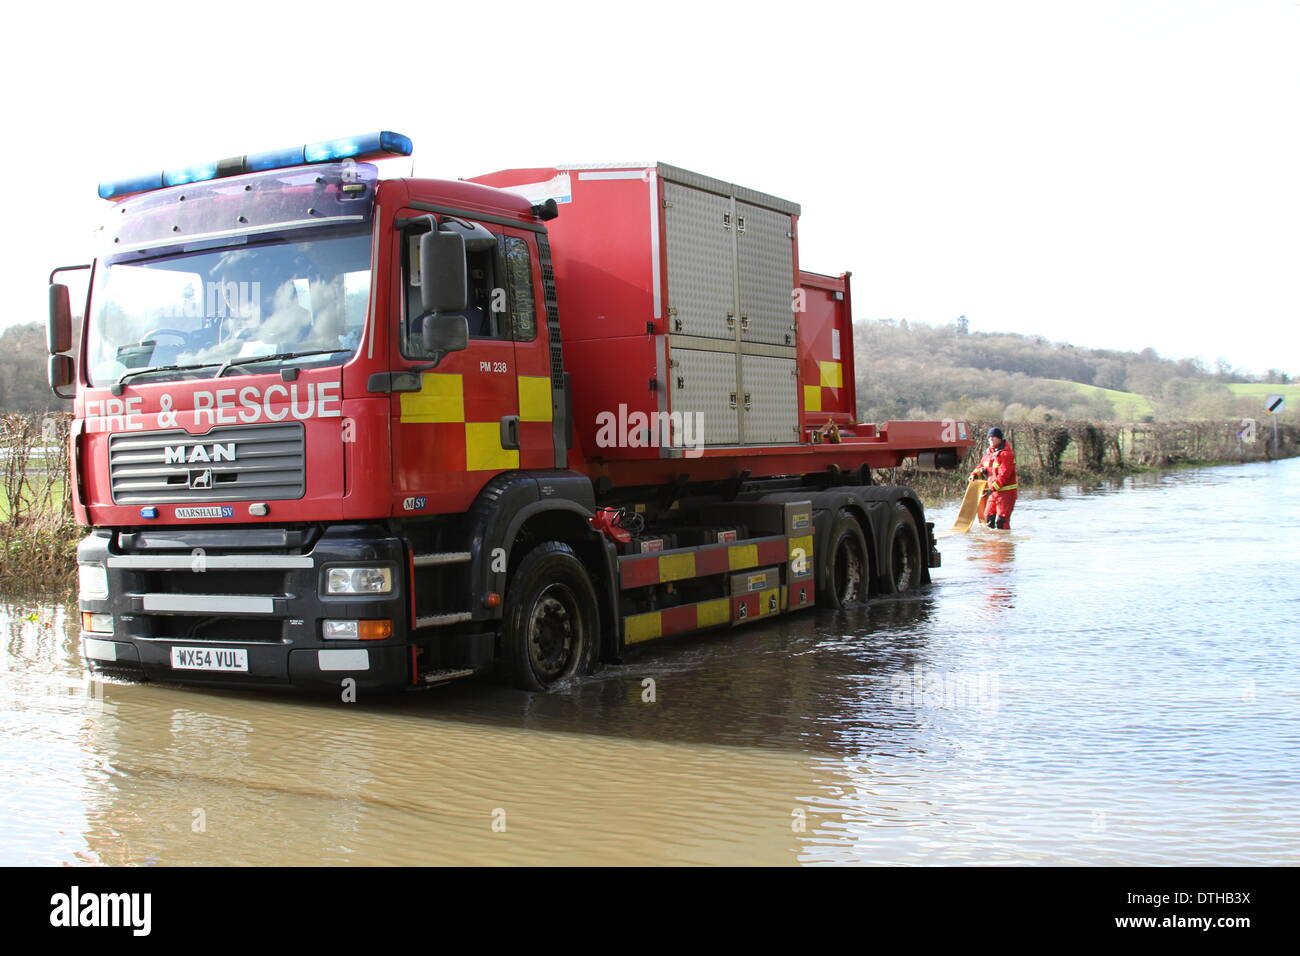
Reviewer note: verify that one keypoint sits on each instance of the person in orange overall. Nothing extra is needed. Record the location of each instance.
(998, 468)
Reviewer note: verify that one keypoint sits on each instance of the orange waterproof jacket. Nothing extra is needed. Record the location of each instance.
(999, 467)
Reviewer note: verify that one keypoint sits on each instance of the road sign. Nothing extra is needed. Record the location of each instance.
(1275, 404)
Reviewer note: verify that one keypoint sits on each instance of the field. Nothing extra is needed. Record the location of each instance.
(35, 493)
(1261, 391)
(1129, 406)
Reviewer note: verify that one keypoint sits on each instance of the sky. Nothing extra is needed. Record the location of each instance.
(1110, 174)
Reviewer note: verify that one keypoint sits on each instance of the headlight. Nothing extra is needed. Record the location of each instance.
(358, 580)
(92, 580)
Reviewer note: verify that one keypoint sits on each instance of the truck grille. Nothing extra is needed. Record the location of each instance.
(229, 463)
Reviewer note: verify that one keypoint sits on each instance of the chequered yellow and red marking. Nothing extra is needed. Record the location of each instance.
(748, 607)
(800, 556)
(461, 441)
(676, 620)
(801, 594)
(778, 554)
(639, 570)
(830, 375)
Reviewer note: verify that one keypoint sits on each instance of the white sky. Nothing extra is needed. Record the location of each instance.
(1114, 174)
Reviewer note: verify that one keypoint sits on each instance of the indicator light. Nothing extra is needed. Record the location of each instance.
(102, 623)
(357, 630)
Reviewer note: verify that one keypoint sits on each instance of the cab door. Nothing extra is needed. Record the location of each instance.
(524, 302)
(476, 413)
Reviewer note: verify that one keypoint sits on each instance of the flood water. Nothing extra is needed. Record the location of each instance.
(1115, 681)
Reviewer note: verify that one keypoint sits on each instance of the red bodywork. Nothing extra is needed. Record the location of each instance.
(374, 455)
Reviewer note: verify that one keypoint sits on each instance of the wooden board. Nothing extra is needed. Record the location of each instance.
(972, 505)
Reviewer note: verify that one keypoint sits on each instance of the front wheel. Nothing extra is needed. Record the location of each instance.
(550, 622)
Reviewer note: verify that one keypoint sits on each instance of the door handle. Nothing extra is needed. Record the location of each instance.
(510, 431)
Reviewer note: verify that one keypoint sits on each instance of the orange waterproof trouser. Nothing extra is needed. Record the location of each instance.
(1001, 503)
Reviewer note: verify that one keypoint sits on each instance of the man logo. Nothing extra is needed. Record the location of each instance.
(178, 455)
(201, 480)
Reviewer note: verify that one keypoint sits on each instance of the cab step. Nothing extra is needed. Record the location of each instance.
(442, 620)
(443, 557)
(442, 676)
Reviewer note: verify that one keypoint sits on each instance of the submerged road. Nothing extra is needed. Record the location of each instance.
(1114, 681)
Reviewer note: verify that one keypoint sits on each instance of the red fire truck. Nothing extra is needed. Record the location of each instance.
(332, 424)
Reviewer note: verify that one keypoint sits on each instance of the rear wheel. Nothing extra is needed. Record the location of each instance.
(902, 559)
(847, 567)
(549, 629)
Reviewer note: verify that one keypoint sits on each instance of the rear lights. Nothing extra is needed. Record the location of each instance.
(358, 580)
(356, 630)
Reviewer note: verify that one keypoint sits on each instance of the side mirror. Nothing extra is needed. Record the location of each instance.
(59, 333)
(58, 336)
(445, 333)
(444, 285)
(60, 373)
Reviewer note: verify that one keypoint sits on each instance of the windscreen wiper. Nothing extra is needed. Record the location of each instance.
(279, 356)
(116, 387)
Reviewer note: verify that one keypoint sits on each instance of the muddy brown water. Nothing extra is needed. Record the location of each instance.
(1114, 681)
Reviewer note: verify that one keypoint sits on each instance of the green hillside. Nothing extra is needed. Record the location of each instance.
(1262, 390)
(1129, 406)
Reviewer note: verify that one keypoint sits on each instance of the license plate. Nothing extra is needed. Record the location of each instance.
(209, 659)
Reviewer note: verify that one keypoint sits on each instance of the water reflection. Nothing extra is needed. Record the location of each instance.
(1112, 681)
(993, 553)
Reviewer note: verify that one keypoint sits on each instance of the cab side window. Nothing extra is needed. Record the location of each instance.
(519, 277)
(484, 302)
(485, 311)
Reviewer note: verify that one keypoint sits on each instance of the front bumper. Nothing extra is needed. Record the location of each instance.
(189, 588)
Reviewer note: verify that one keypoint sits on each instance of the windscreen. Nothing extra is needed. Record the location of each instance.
(287, 295)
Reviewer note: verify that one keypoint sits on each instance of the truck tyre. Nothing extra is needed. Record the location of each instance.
(901, 562)
(847, 565)
(549, 627)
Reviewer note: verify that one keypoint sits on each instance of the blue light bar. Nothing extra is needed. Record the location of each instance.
(354, 147)
(275, 159)
(124, 187)
(191, 174)
(368, 146)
